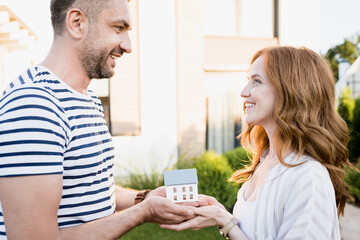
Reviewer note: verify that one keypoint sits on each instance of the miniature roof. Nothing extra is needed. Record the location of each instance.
(183, 176)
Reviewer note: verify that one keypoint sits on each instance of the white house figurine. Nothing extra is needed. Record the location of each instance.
(181, 185)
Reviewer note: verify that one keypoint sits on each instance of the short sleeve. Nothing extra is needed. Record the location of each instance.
(33, 133)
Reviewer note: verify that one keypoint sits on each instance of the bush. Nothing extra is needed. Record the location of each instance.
(237, 158)
(352, 177)
(140, 181)
(354, 143)
(213, 172)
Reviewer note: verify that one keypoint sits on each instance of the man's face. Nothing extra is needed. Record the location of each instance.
(106, 40)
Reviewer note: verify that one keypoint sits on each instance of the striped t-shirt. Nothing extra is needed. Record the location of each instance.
(46, 127)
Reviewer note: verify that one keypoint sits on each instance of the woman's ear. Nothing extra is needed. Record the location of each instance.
(76, 23)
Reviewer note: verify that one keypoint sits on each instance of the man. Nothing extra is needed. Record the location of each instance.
(56, 154)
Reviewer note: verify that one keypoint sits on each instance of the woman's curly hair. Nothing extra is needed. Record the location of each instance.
(305, 116)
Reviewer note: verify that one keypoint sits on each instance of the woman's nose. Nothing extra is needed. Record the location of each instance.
(245, 92)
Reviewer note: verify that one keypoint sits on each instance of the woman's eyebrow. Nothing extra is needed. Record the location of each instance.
(254, 75)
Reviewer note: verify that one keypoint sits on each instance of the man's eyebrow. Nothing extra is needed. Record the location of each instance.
(124, 23)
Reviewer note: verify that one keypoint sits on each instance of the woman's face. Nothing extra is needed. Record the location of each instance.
(259, 96)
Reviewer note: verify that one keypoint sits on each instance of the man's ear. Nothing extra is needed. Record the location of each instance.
(76, 23)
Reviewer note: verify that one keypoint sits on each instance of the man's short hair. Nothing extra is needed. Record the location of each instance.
(59, 10)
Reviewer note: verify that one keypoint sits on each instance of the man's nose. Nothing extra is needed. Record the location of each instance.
(125, 43)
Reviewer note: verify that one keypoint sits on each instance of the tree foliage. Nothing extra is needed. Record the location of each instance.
(348, 51)
(349, 110)
(354, 144)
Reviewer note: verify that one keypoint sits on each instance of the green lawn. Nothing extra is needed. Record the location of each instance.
(150, 231)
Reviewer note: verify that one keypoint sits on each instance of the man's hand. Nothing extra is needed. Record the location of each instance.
(211, 213)
(162, 210)
(160, 191)
(206, 216)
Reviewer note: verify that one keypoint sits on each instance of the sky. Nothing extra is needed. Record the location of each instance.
(339, 19)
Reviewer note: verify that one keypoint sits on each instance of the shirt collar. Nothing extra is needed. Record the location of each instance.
(291, 159)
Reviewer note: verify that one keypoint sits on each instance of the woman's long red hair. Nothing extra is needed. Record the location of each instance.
(305, 116)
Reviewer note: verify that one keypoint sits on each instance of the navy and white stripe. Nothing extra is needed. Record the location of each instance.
(48, 128)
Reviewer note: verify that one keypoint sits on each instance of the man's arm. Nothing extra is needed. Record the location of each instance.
(30, 206)
(124, 197)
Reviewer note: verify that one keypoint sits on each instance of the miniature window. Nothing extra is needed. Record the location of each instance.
(174, 190)
(184, 197)
(175, 198)
(191, 196)
(184, 189)
(191, 189)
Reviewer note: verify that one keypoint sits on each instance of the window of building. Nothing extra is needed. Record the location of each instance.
(224, 110)
(256, 21)
(220, 17)
(243, 18)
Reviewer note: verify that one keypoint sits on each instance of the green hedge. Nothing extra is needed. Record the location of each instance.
(238, 158)
(352, 177)
(141, 181)
(213, 172)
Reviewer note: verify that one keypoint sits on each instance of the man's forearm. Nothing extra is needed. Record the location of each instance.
(108, 228)
(125, 198)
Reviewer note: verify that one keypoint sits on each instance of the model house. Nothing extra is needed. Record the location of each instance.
(181, 185)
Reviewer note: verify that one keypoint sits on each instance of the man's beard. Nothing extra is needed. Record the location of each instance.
(94, 61)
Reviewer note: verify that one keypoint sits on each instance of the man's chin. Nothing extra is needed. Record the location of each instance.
(108, 73)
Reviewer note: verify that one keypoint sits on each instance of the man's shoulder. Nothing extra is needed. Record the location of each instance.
(25, 80)
(34, 81)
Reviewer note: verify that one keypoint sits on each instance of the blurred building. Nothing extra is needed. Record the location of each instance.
(349, 78)
(16, 38)
(178, 93)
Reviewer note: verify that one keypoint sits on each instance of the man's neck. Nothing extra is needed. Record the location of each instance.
(63, 61)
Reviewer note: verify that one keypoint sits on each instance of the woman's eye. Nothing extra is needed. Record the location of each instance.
(120, 28)
(257, 81)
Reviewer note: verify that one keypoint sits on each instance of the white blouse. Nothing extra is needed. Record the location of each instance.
(244, 211)
(294, 203)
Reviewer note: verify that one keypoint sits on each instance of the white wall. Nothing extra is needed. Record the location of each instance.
(156, 148)
(3, 52)
(256, 18)
(299, 23)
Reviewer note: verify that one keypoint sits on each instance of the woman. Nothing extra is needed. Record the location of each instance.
(295, 186)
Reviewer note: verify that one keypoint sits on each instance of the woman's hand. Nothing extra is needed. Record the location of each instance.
(207, 216)
(211, 201)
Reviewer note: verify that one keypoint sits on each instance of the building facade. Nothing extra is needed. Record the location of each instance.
(16, 40)
(178, 93)
(350, 79)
